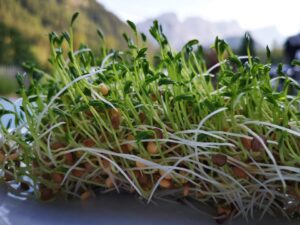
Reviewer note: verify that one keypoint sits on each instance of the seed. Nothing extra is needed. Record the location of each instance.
(88, 142)
(46, 194)
(105, 164)
(69, 158)
(240, 173)
(88, 166)
(24, 186)
(8, 177)
(256, 145)
(57, 178)
(14, 156)
(246, 143)
(109, 182)
(186, 190)
(103, 89)
(57, 145)
(77, 173)
(2, 157)
(152, 148)
(142, 117)
(143, 179)
(85, 195)
(164, 183)
(158, 133)
(166, 176)
(223, 214)
(153, 97)
(115, 121)
(219, 159)
(139, 164)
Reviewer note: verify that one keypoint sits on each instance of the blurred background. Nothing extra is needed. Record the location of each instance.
(25, 24)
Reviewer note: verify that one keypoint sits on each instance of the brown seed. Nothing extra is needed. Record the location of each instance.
(89, 167)
(152, 147)
(219, 159)
(109, 182)
(24, 186)
(115, 121)
(153, 97)
(246, 143)
(186, 190)
(57, 178)
(46, 194)
(88, 142)
(104, 89)
(57, 145)
(223, 214)
(256, 145)
(240, 173)
(69, 159)
(142, 117)
(14, 156)
(139, 164)
(143, 179)
(8, 177)
(158, 133)
(164, 183)
(163, 173)
(105, 164)
(77, 173)
(2, 157)
(86, 195)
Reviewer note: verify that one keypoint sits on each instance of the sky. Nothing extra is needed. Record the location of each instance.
(250, 14)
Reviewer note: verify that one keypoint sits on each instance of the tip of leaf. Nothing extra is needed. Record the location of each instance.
(74, 17)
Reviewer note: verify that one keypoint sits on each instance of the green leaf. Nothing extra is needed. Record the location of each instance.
(74, 17)
(295, 62)
(149, 79)
(184, 97)
(127, 86)
(100, 33)
(268, 53)
(146, 134)
(144, 37)
(192, 42)
(141, 53)
(165, 81)
(5, 112)
(132, 25)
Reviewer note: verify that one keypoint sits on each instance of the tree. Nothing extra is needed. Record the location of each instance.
(14, 49)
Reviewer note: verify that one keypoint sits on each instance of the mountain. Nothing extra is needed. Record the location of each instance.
(180, 32)
(34, 19)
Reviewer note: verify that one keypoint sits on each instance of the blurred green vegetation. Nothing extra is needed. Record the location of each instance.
(25, 25)
(8, 85)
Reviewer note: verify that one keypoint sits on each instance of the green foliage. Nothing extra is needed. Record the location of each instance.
(247, 43)
(28, 21)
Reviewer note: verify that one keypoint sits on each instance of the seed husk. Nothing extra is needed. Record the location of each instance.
(24, 186)
(14, 156)
(164, 183)
(69, 159)
(240, 173)
(2, 157)
(109, 182)
(46, 194)
(152, 147)
(163, 173)
(223, 214)
(104, 89)
(86, 195)
(139, 164)
(256, 145)
(246, 143)
(219, 159)
(186, 190)
(77, 173)
(89, 142)
(57, 145)
(57, 177)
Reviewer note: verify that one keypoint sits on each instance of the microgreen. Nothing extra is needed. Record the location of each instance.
(117, 122)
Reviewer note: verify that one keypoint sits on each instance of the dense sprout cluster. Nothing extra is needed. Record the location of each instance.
(223, 136)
